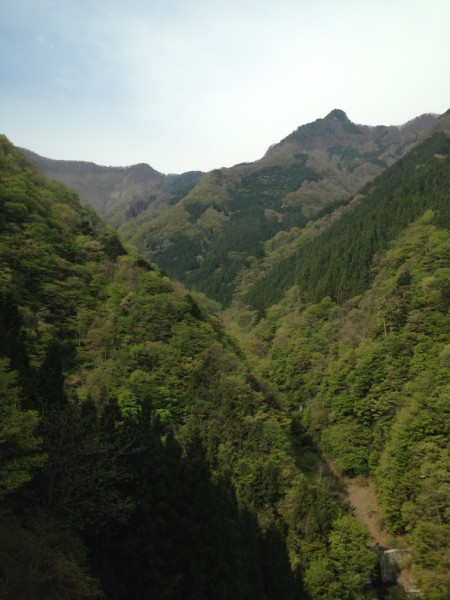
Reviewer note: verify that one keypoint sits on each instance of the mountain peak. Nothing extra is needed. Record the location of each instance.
(338, 114)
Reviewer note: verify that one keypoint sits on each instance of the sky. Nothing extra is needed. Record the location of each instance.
(201, 84)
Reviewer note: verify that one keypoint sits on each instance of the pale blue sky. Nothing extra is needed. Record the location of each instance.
(200, 84)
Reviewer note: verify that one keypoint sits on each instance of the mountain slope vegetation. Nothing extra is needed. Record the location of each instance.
(103, 362)
(209, 235)
(368, 380)
(337, 262)
(140, 456)
(352, 328)
(118, 194)
(163, 455)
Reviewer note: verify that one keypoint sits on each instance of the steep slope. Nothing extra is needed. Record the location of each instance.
(208, 236)
(101, 340)
(337, 260)
(118, 194)
(213, 234)
(351, 154)
(358, 346)
(141, 458)
(103, 360)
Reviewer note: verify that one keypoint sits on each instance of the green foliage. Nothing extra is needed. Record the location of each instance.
(251, 213)
(369, 383)
(350, 555)
(432, 551)
(188, 528)
(146, 460)
(342, 574)
(45, 562)
(113, 360)
(347, 442)
(338, 262)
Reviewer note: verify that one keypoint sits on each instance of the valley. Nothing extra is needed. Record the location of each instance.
(181, 373)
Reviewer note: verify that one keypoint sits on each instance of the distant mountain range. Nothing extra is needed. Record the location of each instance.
(205, 229)
(117, 193)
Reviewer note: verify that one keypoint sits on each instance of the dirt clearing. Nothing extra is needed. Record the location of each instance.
(362, 495)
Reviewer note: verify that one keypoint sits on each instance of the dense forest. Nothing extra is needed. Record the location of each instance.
(103, 361)
(207, 230)
(337, 262)
(150, 450)
(352, 328)
(141, 458)
(214, 234)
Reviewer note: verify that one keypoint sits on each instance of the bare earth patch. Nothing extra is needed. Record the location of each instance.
(362, 495)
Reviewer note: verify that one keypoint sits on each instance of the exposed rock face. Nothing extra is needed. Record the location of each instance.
(389, 566)
(394, 568)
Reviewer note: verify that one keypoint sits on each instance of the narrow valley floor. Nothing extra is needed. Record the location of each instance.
(362, 495)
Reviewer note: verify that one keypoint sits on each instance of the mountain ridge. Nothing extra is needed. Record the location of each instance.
(350, 357)
(108, 188)
(201, 239)
(59, 169)
(337, 122)
(204, 228)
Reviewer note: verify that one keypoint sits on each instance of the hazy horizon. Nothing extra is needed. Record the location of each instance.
(198, 85)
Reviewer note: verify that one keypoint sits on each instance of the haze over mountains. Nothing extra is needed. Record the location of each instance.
(373, 148)
(203, 230)
(109, 189)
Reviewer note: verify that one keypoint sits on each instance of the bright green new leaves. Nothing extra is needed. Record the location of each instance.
(369, 381)
(118, 360)
(343, 572)
(349, 553)
(432, 551)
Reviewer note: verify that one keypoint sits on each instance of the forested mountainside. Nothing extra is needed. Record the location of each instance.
(150, 452)
(118, 194)
(102, 360)
(351, 325)
(208, 236)
(140, 457)
(336, 261)
(369, 381)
